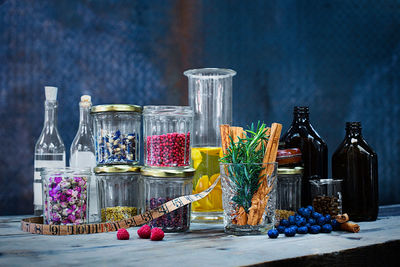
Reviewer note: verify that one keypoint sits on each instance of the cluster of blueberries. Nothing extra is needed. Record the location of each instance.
(306, 220)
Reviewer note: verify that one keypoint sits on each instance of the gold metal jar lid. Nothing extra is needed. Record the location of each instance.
(116, 108)
(163, 173)
(117, 169)
(295, 170)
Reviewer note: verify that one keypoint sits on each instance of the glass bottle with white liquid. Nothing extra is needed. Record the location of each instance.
(83, 153)
(49, 149)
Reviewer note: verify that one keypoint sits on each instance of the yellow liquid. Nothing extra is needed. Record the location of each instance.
(206, 163)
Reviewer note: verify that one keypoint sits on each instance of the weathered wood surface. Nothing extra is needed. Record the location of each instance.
(205, 245)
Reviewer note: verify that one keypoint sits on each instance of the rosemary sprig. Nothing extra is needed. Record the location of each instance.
(246, 150)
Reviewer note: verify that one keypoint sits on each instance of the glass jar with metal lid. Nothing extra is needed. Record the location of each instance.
(118, 191)
(166, 131)
(65, 195)
(116, 132)
(160, 186)
(289, 191)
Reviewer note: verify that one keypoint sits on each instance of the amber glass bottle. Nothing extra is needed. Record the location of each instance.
(313, 149)
(357, 164)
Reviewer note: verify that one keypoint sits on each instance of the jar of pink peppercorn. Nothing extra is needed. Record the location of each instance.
(65, 195)
(167, 131)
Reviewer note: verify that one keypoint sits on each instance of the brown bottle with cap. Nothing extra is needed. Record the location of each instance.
(356, 163)
(314, 150)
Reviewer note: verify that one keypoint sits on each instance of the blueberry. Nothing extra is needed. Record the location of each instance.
(310, 208)
(321, 220)
(293, 227)
(292, 220)
(315, 229)
(273, 233)
(326, 228)
(311, 221)
(290, 231)
(308, 225)
(284, 222)
(302, 230)
(335, 224)
(281, 229)
(307, 213)
(328, 217)
(316, 215)
(300, 222)
(300, 211)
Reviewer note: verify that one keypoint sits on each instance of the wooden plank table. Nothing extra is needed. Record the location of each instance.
(205, 245)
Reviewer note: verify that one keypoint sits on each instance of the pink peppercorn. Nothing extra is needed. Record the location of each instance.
(168, 150)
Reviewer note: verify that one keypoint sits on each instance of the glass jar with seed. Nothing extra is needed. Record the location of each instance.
(118, 192)
(326, 195)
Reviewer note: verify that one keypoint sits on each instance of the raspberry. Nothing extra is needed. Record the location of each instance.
(156, 234)
(144, 231)
(122, 234)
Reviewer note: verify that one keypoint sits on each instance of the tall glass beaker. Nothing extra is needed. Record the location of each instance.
(210, 96)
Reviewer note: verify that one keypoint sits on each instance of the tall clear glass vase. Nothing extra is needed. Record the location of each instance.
(210, 96)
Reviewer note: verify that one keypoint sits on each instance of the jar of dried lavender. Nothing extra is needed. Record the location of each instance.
(159, 186)
(118, 191)
(166, 131)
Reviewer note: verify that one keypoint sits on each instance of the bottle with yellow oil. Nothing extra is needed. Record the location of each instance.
(210, 96)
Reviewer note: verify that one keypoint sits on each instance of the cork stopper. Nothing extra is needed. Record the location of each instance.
(86, 98)
(51, 93)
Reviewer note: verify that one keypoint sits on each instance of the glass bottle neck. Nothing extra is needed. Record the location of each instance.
(353, 132)
(301, 118)
(84, 118)
(50, 114)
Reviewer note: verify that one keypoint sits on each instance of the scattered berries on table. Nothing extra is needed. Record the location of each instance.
(284, 222)
(300, 221)
(321, 220)
(122, 234)
(144, 231)
(156, 234)
(292, 220)
(273, 233)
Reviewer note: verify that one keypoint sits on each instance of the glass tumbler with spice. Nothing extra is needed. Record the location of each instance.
(326, 195)
(65, 195)
(210, 96)
(118, 191)
(162, 185)
(289, 191)
(356, 163)
(167, 131)
(116, 133)
(313, 149)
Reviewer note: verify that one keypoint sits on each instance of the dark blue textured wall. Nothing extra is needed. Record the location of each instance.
(339, 57)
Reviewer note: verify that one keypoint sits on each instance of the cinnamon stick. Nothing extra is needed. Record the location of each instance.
(259, 200)
(224, 129)
(236, 133)
(342, 218)
(350, 227)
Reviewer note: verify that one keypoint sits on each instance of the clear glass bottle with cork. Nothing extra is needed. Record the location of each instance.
(82, 147)
(49, 149)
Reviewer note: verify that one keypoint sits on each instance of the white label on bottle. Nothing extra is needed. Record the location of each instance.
(82, 159)
(37, 184)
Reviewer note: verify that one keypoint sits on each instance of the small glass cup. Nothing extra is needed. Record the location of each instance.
(242, 215)
(65, 195)
(326, 195)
